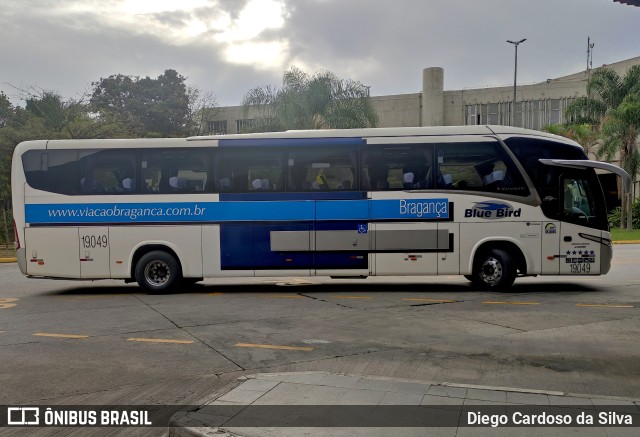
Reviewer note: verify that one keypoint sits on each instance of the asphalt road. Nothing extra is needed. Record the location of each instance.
(106, 342)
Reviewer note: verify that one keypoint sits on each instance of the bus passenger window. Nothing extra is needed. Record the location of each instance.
(174, 171)
(331, 168)
(55, 171)
(249, 170)
(398, 167)
(478, 166)
(107, 171)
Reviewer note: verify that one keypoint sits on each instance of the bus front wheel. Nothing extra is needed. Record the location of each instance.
(494, 270)
(157, 272)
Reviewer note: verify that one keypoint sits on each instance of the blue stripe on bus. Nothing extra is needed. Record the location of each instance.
(242, 211)
(342, 210)
(304, 142)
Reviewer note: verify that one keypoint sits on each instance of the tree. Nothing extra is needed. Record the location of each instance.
(202, 107)
(620, 130)
(605, 90)
(583, 134)
(144, 106)
(611, 103)
(321, 101)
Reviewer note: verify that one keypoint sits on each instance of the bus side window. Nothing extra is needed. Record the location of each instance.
(245, 170)
(478, 166)
(398, 167)
(175, 171)
(107, 171)
(330, 168)
(55, 171)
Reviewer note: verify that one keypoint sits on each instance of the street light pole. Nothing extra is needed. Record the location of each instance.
(515, 79)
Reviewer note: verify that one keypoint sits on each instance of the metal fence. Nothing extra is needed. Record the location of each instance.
(6, 234)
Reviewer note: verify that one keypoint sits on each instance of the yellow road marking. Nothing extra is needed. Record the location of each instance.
(272, 346)
(489, 302)
(284, 296)
(424, 299)
(46, 334)
(5, 302)
(603, 305)
(352, 297)
(217, 293)
(160, 340)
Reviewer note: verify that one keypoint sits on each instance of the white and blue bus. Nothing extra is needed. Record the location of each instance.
(487, 202)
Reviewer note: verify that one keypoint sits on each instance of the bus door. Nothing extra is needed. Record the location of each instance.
(580, 238)
(582, 211)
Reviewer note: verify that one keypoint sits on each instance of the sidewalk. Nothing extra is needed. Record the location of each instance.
(292, 396)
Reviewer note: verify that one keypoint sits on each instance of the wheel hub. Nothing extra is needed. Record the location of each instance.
(491, 271)
(157, 273)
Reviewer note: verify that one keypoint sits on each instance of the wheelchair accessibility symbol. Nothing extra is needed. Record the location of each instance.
(363, 228)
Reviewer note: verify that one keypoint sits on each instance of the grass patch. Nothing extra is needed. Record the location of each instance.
(7, 250)
(618, 234)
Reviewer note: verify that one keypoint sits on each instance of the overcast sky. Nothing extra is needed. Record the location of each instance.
(230, 46)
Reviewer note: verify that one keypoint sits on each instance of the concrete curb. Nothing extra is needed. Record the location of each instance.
(200, 424)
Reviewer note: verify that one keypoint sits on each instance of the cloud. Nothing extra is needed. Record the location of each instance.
(229, 46)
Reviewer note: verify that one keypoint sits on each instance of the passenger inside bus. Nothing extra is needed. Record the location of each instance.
(345, 185)
(407, 180)
(378, 174)
(128, 184)
(493, 180)
(320, 182)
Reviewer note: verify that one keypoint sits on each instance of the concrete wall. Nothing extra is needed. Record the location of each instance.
(434, 106)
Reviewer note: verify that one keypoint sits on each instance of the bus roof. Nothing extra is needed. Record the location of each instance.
(391, 132)
(363, 134)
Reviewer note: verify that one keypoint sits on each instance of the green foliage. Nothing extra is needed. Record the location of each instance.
(143, 107)
(583, 134)
(321, 101)
(606, 90)
(6, 227)
(120, 106)
(618, 234)
(613, 103)
(614, 217)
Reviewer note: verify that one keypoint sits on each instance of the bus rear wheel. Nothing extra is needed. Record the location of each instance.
(158, 272)
(494, 270)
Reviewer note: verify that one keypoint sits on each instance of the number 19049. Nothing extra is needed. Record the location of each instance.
(583, 268)
(93, 241)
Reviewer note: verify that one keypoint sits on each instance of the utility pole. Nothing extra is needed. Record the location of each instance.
(515, 79)
(590, 46)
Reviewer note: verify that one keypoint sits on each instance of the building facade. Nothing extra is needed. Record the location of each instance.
(538, 105)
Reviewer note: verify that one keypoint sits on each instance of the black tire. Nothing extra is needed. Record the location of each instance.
(494, 270)
(189, 282)
(473, 280)
(158, 272)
